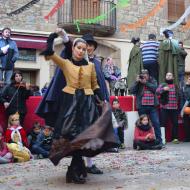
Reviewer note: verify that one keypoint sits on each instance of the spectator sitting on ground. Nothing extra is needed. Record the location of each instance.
(16, 140)
(121, 120)
(144, 136)
(5, 155)
(43, 142)
(32, 137)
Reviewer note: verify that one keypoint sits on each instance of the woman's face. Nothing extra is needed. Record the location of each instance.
(144, 121)
(18, 77)
(79, 51)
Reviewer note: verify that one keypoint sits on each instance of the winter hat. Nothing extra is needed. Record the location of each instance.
(90, 39)
(168, 33)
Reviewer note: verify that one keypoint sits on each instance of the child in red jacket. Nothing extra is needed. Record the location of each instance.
(144, 136)
(17, 140)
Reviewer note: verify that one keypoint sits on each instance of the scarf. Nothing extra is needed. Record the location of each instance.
(144, 127)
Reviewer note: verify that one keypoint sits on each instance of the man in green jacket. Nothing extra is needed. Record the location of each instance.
(168, 57)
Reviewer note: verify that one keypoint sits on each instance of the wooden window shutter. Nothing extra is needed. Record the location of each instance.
(176, 8)
(85, 9)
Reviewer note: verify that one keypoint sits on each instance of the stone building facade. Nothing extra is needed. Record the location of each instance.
(139, 18)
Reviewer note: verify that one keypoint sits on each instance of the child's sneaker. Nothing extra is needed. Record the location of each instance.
(175, 141)
(122, 146)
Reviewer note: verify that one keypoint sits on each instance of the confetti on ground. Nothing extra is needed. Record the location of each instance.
(128, 169)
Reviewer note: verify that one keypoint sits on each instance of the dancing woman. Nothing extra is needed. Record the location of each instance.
(80, 130)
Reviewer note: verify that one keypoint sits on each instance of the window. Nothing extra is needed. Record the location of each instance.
(176, 8)
(27, 55)
(85, 9)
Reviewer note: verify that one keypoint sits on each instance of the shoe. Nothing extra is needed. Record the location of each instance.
(156, 147)
(138, 147)
(122, 146)
(82, 169)
(93, 170)
(73, 177)
(175, 141)
(114, 150)
(40, 156)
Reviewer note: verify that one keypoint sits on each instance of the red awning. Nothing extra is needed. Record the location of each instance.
(28, 42)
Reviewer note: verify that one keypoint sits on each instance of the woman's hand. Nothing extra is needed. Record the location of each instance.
(49, 50)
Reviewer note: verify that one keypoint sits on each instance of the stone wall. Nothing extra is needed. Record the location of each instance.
(30, 19)
(33, 18)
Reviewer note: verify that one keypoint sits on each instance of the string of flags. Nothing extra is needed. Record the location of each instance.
(23, 8)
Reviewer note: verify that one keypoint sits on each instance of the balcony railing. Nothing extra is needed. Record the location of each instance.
(88, 16)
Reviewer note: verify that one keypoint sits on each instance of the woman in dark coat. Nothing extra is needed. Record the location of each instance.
(79, 128)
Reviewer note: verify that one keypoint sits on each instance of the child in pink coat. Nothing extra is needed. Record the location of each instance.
(5, 155)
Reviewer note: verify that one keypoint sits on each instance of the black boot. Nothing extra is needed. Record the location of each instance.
(73, 177)
(82, 169)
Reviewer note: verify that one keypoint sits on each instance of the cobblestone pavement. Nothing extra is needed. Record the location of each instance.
(167, 169)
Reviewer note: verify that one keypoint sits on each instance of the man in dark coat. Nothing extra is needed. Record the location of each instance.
(168, 57)
(49, 106)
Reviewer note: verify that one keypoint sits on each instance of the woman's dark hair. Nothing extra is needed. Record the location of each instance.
(141, 117)
(14, 74)
(77, 40)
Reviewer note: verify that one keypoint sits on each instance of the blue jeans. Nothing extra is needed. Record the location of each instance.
(37, 149)
(7, 76)
(151, 111)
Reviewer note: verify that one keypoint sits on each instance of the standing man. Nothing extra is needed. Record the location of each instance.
(168, 57)
(10, 55)
(150, 55)
(144, 89)
(181, 64)
(169, 104)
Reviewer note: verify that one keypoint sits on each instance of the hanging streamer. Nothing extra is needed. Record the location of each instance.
(23, 8)
(178, 22)
(54, 9)
(142, 21)
(121, 3)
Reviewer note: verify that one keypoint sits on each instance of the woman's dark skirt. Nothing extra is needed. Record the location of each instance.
(77, 123)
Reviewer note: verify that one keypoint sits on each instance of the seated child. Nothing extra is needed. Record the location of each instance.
(121, 120)
(43, 142)
(32, 137)
(16, 139)
(5, 155)
(144, 136)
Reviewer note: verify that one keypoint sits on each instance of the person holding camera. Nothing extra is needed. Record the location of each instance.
(144, 88)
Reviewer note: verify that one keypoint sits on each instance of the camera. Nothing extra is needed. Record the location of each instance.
(141, 76)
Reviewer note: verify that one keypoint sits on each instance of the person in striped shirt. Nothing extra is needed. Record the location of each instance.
(150, 55)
